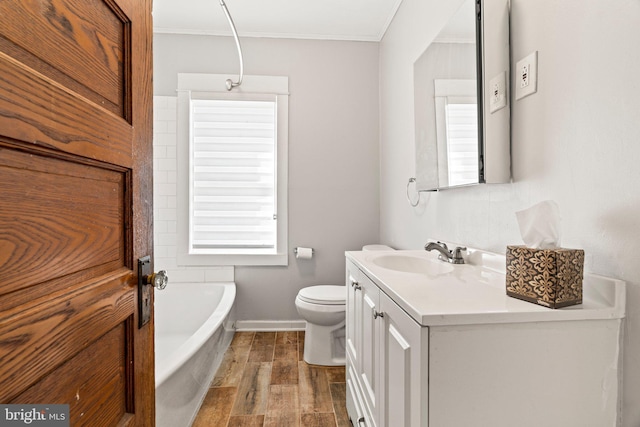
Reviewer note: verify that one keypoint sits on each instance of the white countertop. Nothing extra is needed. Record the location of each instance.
(474, 293)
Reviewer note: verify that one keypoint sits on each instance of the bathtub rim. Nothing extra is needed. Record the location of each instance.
(202, 334)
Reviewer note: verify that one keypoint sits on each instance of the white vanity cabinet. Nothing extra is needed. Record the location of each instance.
(363, 341)
(386, 358)
(448, 348)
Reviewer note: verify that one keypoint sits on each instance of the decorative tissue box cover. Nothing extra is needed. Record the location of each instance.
(548, 277)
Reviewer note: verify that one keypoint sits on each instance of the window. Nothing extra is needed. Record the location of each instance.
(232, 170)
(462, 148)
(233, 179)
(457, 131)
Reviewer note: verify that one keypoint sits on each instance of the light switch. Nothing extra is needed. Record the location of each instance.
(527, 75)
(498, 95)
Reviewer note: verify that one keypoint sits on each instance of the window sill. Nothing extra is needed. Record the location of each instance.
(281, 259)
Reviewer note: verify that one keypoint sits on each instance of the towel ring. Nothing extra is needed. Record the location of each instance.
(408, 197)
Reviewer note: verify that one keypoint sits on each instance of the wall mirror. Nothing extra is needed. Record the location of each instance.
(461, 98)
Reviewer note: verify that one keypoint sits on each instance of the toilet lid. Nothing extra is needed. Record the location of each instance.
(324, 294)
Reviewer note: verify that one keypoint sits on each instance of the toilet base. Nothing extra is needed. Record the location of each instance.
(316, 350)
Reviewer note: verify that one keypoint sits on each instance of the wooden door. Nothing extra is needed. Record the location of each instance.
(76, 207)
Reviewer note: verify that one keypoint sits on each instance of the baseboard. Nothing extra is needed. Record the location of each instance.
(270, 325)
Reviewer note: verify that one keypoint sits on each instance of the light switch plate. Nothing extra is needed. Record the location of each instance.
(498, 92)
(527, 75)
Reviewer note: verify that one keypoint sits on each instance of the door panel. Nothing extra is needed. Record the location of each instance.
(398, 375)
(354, 309)
(403, 368)
(53, 229)
(85, 49)
(37, 110)
(75, 207)
(99, 398)
(370, 356)
(40, 336)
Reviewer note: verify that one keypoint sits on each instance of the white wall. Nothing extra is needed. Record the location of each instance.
(333, 158)
(576, 141)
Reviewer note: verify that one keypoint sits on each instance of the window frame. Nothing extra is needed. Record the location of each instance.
(212, 86)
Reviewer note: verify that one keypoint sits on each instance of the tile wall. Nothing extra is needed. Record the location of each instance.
(165, 192)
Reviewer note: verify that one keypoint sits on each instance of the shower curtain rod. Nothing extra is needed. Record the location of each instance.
(230, 83)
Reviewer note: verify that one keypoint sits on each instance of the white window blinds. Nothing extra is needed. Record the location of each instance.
(462, 146)
(233, 176)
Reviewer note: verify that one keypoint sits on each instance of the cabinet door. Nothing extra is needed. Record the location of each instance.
(404, 368)
(354, 317)
(370, 350)
(357, 416)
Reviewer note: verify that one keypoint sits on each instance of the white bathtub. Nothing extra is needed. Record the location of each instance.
(194, 324)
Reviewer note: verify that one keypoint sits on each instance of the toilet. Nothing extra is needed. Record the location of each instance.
(324, 309)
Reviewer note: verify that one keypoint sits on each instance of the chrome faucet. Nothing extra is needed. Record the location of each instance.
(453, 257)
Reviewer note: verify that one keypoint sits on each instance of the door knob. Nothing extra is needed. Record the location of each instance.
(158, 280)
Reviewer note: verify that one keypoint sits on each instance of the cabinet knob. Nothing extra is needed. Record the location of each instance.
(355, 285)
(377, 314)
(360, 420)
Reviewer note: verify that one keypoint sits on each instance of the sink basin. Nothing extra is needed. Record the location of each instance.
(413, 264)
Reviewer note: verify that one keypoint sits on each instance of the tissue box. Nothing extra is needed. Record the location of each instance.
(548, 277)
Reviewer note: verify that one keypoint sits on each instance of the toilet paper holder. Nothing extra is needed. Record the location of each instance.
(295, 250)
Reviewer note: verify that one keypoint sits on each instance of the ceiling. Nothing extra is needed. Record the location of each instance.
(363, 20)
(461, 27)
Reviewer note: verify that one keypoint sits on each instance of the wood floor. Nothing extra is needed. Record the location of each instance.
(264, 382)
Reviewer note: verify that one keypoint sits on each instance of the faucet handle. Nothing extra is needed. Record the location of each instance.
(456, 253)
